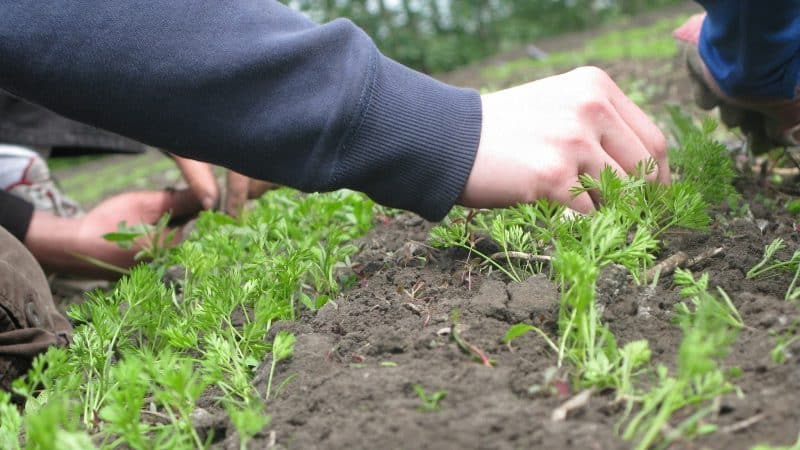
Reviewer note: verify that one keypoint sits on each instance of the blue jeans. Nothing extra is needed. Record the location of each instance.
(752, 48)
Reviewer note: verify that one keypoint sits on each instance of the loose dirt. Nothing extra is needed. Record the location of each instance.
(355, 364)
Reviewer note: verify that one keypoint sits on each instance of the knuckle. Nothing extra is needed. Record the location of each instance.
(595, 107)
(556, 176)
(593, 74)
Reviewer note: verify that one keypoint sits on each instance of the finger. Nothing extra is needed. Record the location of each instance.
(595, 164)
(201, 180)
(258, 187)
(236, 193)
(184, 203)
(649, 135)
(624, 147)
(179, 203)
(582, 202)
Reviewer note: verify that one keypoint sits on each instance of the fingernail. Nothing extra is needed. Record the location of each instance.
(208, 203)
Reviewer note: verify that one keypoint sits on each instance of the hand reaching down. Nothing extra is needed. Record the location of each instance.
(239, 188)
(537, 138)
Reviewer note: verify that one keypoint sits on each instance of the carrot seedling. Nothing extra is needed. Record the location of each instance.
(282, 348)
(430, 402)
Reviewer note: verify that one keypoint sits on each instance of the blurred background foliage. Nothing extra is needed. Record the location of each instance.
(439, 35)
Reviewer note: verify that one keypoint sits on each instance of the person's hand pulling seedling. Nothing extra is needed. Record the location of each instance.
(537, 139)
(62, 243)
(239, 188)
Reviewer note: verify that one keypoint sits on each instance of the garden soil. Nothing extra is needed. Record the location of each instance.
(351, 379)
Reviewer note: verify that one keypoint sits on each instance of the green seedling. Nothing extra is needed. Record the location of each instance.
(430, 402)
(702, 161)
(769, 263)
(709, 326)
(521, 329)
(282, 347)
(144, 352)
(154, 240)
(779, 352)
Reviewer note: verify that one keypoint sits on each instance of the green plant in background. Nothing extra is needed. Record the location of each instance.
(430, 402)
(702, 161)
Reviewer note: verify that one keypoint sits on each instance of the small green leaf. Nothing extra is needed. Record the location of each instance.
(793, 206)
(283, 346)
(516, 331)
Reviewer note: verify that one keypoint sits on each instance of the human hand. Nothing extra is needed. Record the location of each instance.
(203, 183)
(58, 243)
(537, 138)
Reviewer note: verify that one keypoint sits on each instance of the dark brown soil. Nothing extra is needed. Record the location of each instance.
(357, 360)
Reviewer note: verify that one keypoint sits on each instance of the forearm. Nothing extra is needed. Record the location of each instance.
(751, 49)
(250, 85)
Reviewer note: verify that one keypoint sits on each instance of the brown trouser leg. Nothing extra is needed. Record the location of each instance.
(29, 320)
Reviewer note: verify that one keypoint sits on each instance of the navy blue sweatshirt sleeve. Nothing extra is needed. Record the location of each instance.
(250, 85)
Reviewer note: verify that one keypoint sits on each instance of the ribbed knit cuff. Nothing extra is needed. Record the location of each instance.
(415, 143)
(15, 215)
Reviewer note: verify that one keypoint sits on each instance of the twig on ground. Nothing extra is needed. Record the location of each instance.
(683, 261)
(157, 416)
(743, 424)
(500, 256)
(577, 402)
(413, 308)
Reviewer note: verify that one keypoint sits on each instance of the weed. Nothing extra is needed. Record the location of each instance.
(430, 402)
(154, 239)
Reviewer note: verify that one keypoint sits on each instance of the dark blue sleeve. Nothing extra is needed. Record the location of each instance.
(250, 85)
(752, 48)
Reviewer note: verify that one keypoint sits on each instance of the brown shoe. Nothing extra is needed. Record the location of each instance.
(29, 321)
(767, 122)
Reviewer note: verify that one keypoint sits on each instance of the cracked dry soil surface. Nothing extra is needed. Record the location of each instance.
(357, 360)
